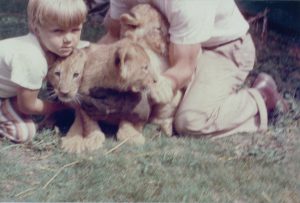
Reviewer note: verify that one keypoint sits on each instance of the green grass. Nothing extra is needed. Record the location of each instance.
(260, 167)
(165, 169)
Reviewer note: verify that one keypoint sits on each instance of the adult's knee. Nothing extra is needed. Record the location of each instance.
(190, 123)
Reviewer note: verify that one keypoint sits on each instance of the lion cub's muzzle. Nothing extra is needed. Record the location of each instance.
(66, 95)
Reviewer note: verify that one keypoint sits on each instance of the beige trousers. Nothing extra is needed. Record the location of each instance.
(214, 102)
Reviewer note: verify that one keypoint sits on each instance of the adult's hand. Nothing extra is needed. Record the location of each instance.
(162, 91)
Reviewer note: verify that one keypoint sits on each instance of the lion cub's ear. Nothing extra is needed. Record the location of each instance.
(129, 20)
(79, 58)
(122, 56)
(80, 53)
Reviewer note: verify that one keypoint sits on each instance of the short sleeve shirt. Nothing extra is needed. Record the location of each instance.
(22, 63)
(209, 22)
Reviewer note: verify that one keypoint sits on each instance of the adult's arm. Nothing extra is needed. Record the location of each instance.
(113, 30)
(183, 61)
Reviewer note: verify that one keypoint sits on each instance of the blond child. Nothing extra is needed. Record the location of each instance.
(55, 29)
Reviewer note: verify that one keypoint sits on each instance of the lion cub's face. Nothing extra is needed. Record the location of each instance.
(132, 65)
(66, 74)
(147, 24)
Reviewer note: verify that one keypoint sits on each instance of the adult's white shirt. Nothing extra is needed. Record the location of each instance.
(209, 22)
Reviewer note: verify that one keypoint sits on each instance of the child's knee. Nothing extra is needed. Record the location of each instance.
(32, 129)
(25, 132)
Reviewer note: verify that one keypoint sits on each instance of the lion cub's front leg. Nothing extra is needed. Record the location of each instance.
(132, 132)
(93, 136)
(84, 135)
(73, 141)
(163, 114)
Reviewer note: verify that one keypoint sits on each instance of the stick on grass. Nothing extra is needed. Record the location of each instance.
(117, 146)
(59, 170)
(24, 192)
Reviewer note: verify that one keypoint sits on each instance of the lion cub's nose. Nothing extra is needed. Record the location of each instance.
(64, 92)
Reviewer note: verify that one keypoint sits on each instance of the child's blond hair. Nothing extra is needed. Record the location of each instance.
(65, 13)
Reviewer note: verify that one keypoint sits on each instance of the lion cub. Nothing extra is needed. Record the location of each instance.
(145, 25)
(123, 65)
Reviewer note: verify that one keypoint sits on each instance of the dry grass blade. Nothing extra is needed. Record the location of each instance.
(59, 170)
(117, 146)
(25, 192)
(11, 146)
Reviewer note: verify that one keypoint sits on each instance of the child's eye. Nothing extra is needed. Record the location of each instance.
(57, 31)
(76, 30)
(75, 75)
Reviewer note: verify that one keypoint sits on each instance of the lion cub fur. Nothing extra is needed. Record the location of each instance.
(145, 25)
(123, 65)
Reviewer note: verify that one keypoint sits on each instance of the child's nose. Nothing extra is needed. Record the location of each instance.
(67, 38)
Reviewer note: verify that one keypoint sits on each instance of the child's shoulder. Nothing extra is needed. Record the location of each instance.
(24, 51)
(26, 45)
(20, 43)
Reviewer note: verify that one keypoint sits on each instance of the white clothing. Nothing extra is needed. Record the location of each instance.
(209, 22)
(22, 63)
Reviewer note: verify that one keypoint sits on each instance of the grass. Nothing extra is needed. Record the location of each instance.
(259, 167)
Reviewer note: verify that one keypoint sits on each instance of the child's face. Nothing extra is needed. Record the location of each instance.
(58, 40)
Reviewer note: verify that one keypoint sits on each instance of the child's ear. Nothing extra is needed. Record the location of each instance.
(35, 30)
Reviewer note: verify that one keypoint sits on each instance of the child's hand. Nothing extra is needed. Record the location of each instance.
(162, 91)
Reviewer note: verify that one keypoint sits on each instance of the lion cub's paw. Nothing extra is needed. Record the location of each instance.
(133, 135)
(73, 144)
(94, 141)
(133, 138)
(166, 125)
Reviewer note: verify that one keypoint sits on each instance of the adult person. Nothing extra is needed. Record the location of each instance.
(210, 53)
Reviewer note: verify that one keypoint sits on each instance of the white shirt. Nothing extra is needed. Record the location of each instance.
(22, 63)
(209, 22)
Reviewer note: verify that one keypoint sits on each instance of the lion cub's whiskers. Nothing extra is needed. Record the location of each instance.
(51, 94)
(77, 99)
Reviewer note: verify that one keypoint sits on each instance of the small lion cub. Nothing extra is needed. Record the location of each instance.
(123, 66)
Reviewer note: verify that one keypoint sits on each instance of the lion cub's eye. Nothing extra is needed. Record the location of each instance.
(75, 75)
(133, 27)
(57, 73)
(145, 67)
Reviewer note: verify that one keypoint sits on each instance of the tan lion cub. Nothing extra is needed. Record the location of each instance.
(148, 27)
(123, 65)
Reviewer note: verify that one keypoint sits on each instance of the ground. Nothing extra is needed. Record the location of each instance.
(259, 167)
